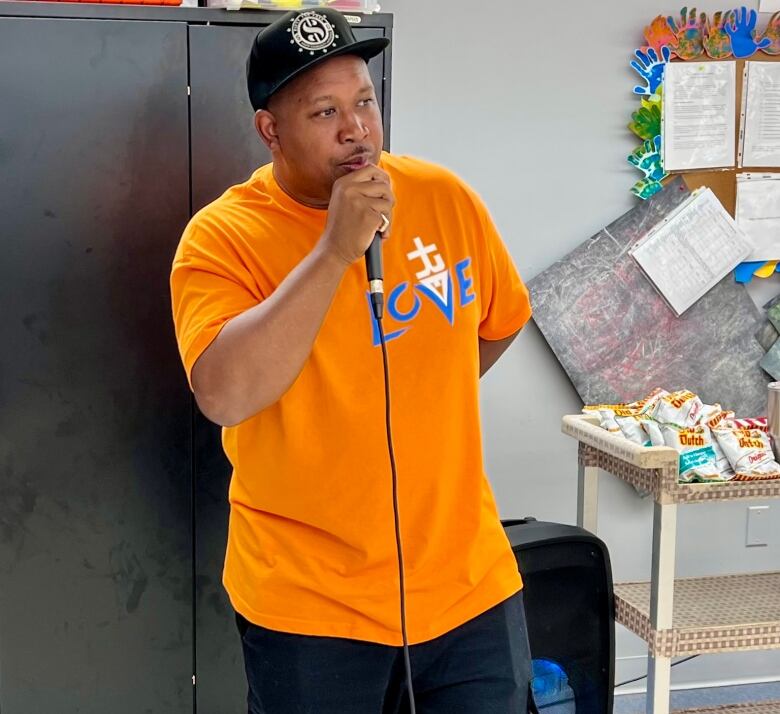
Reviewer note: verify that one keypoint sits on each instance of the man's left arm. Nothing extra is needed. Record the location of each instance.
(491, 350)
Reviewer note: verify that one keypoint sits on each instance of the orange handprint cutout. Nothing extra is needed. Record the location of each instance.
(659, 34)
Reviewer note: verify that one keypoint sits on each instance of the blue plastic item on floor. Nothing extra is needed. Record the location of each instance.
(551, 689)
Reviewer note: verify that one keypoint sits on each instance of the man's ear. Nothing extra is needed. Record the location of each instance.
(265, 123)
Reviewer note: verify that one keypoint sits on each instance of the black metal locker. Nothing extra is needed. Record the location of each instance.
(116, 124)
(95, 542)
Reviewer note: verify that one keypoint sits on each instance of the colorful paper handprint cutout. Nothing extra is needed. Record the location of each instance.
(772, 33)
(717, 43)
(647, 158)
(742, 31)
(689, 30)
(658, 34)
(650, 68)
(646, 121)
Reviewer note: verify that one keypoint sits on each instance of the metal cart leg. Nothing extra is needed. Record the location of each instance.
(588, 497)
(661, 604)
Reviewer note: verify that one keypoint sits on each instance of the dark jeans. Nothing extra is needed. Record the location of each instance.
(481, 667)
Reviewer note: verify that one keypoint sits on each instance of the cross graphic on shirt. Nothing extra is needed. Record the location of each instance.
(423, 252)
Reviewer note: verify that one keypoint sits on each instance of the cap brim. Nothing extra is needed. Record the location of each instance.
(365, 49)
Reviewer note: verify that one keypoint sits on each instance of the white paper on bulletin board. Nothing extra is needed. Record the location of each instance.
(758, 213)
(699, 115)
(691, 250)
(760, 119)
(768, 5)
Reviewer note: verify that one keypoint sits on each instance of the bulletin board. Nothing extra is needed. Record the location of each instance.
(734, 36)
(728, 36)
(723, 182)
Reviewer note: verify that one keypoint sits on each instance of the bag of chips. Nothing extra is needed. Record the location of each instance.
(754, 423)
(653, 430)
(606, 415)
(698, 460)
(722, 463)
(681, 407)
(709, 412)
(717, 418)
(627, 418)
(749, 452)
(630, 423)
(632, 419)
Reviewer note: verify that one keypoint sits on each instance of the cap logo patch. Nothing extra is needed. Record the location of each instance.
(312, 31)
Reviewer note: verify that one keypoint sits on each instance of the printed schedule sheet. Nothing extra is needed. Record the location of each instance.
(689, 252)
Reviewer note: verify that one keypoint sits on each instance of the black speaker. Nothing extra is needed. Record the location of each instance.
(571, 615)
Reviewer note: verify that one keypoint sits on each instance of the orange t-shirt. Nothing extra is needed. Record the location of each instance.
(311, 545)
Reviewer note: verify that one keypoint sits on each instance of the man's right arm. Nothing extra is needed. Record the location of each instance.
(258, 354)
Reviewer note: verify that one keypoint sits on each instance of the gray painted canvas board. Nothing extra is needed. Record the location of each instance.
(617, 339)
(773, 313)
(771, 361)
(767, 335)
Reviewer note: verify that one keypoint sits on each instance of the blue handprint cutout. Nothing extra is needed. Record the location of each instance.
(741, 30)
(647, 158)
(651, 68)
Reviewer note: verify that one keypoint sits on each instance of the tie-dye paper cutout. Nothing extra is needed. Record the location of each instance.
(658, 33)
(717, 43)
(647, 158)
(689, 30)
(772, 33)
(646, 188)
(646, 121)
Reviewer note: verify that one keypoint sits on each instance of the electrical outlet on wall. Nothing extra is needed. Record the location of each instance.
(757, 526)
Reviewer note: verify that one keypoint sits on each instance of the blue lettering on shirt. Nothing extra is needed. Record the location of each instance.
(466, 296)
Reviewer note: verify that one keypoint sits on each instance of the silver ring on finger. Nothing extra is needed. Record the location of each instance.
(385, 223)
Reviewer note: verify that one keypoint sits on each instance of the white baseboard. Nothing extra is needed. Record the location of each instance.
(703, 672)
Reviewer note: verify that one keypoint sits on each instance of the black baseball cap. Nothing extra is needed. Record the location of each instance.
(297, 41)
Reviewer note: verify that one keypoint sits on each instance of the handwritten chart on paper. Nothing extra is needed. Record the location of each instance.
(616, 337)
(691, 250)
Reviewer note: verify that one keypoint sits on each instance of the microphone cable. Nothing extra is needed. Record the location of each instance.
(407, 662)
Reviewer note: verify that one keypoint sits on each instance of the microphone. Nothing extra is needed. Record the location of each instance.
(376, 275)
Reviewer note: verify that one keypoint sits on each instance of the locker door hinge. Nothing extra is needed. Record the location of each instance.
(193, 680)
(189, 90)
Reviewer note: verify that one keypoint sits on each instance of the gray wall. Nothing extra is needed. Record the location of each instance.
(529, 103)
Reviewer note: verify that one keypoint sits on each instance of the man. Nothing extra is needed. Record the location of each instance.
(276, 334)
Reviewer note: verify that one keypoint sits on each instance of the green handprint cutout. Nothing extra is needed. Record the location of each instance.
(690, 33)
(717, 42)
(647, 158)
(646, 188)
(646, 121)
(772, 32)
